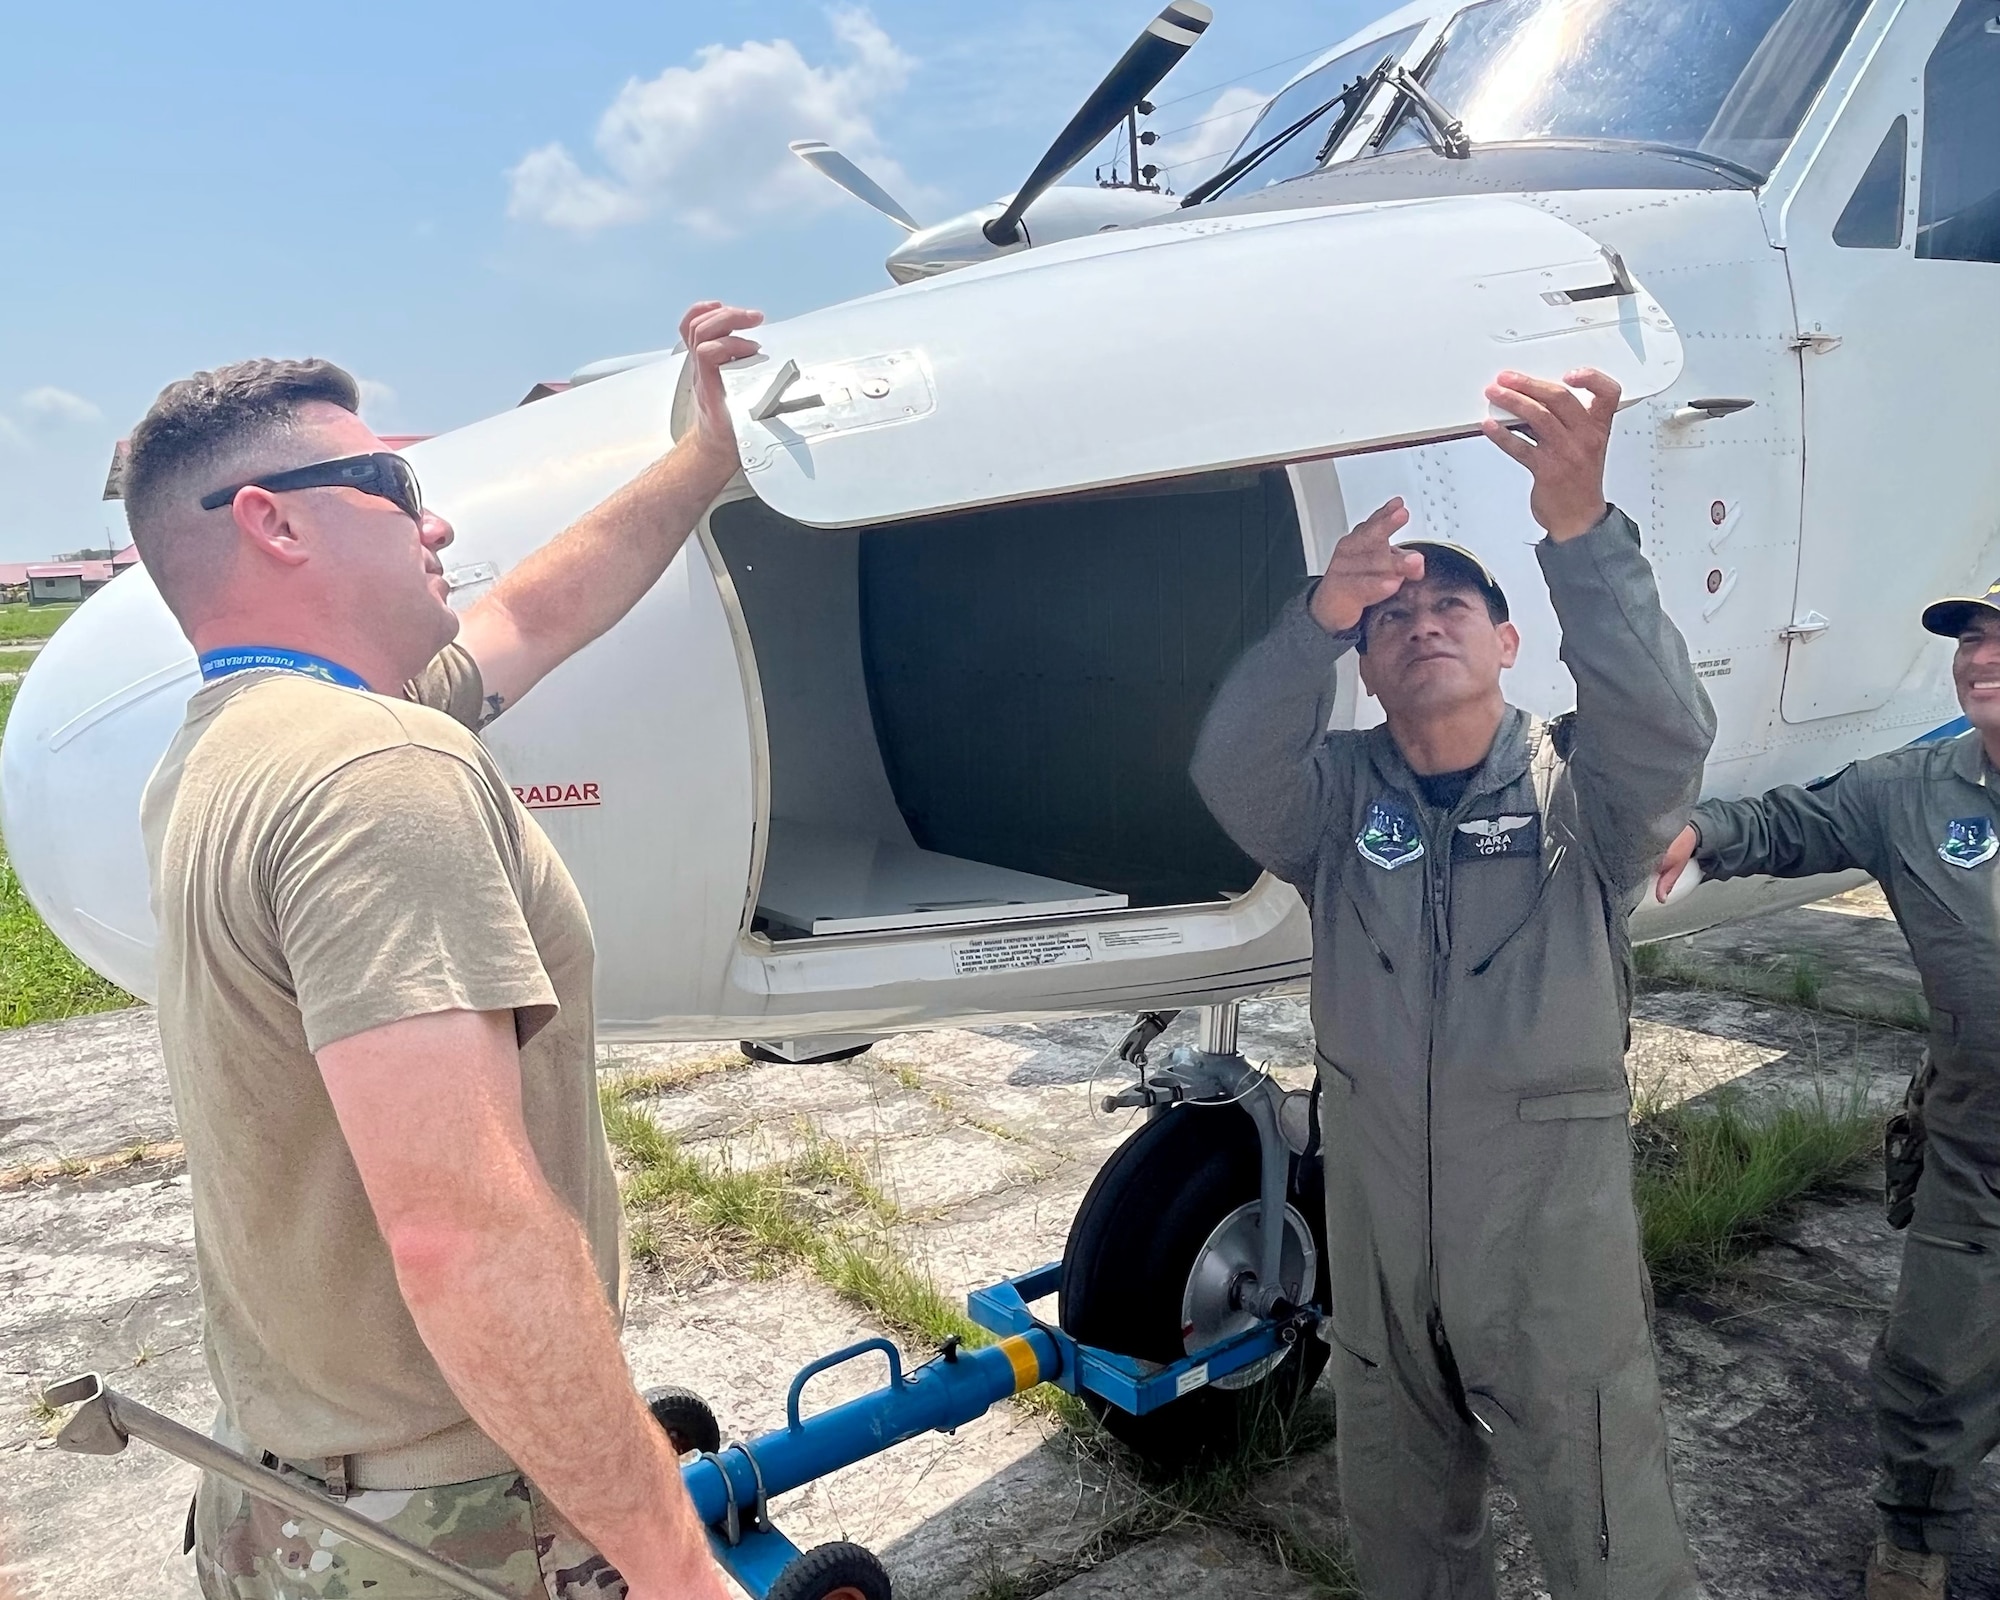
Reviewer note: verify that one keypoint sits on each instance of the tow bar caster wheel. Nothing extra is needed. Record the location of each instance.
(689, 1422)
(833, 1572)
(1170, 1223)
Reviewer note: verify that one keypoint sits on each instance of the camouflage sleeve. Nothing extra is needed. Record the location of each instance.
(451, 684)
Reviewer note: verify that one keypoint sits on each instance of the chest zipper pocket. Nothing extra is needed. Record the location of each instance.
(1528, 916)
(1361, 922)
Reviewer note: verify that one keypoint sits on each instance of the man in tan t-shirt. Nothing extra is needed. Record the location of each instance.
(375, 1004)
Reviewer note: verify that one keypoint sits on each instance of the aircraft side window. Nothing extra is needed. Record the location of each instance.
(1958, 200)
(1873, 217)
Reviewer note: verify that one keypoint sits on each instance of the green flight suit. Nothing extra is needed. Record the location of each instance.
(1470, 994)
(1925, 822)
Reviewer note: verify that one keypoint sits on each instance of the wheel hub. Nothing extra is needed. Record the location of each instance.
(1211, 1307)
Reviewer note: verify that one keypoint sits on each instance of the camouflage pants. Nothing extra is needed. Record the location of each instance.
(502, 1529)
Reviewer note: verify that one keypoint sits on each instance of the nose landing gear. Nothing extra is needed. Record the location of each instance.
(1168, 1255)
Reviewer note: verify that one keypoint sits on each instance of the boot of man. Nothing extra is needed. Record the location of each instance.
(1898, 1574)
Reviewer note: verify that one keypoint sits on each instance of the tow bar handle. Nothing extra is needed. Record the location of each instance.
(840, 1358)
(106, 1421)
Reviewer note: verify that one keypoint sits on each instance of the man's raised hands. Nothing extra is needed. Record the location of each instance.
(1365, 569)
(713, 333)
(1565, 447)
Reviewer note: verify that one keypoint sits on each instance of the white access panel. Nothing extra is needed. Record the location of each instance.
(1181, 347)
(825, 881)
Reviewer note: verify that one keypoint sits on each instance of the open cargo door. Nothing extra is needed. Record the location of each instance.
(1182, 347)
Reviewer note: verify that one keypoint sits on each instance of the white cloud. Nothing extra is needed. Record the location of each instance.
(376, 396)
(49, 404)
(1199, 149)
(706, 144)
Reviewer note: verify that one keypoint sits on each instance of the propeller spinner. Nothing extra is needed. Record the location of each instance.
(990, 230)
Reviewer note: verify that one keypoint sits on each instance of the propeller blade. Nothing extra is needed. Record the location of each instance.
(829, 163)
(1167, 38)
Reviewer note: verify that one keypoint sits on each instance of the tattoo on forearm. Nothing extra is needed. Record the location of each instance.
(495, 704)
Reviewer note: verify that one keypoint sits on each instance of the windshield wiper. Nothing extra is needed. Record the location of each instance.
(1351, 100)
(1447, 133)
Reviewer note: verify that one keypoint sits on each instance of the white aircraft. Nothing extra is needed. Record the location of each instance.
(901, 739)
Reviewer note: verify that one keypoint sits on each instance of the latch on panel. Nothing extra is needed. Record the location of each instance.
(1818, 343)
(1710, 410)
(1809, 626)
(772, 403)
(1621, 284)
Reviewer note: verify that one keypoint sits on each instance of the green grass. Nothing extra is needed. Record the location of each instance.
(1708, 1180)
(16, 660)
(23, 621)
(40, 981)
(1796, 980)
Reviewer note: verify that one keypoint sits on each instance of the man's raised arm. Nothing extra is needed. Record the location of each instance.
(1788, 832)
(1260, 762)
(1643, 723)
(587, 577)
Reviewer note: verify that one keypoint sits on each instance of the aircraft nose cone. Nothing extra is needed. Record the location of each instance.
(946, 247)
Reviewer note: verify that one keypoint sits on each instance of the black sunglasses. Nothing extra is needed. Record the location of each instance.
(383, 473)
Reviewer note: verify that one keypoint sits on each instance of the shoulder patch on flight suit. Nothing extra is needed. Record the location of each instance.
(1390, 838)
(1968, 842)
(1483, 838)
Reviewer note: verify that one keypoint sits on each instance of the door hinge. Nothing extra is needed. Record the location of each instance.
(1809, 626)
(1818, 343)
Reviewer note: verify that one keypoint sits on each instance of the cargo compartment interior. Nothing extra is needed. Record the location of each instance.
(988, 716)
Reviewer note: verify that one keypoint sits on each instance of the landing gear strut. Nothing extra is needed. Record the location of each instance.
(1169, 1254)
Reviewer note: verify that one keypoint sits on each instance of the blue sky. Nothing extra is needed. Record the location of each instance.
(456, 200)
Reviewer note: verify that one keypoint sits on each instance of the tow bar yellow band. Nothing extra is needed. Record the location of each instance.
(1021, 1355)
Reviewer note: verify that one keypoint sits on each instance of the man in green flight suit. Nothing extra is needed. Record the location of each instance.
(1469, 869)
(1925, 822)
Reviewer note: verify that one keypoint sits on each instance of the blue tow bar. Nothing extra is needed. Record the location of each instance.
(730, 1487)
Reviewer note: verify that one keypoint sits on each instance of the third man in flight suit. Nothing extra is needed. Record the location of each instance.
(1925, 822)
(1469, 869)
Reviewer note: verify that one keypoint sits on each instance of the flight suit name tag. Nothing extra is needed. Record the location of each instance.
(1969, 842)
(1390, 838)
(1487, 838)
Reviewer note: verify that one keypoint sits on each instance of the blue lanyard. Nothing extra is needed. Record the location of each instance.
(268, 657)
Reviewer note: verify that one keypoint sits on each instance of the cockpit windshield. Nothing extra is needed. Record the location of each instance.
(1729, 79)
(1318, 91)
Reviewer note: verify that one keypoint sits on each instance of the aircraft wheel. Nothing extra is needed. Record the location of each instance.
(1171, 1220)
(770, 1057)
(832, 1572)
(689, 1422)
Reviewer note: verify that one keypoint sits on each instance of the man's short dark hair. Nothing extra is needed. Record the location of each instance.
(198, 433)
(1453, 571)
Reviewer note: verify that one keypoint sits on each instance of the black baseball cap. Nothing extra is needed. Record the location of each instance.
(1949, 616)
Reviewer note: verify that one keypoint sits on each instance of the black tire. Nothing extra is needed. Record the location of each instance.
(832, 1572)
(1125, 1269)
(770, 1057)
(689, 1422)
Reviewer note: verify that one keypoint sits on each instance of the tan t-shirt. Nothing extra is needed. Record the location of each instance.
(325, 861)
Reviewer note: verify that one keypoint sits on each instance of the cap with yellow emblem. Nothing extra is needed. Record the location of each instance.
(1949, 616)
